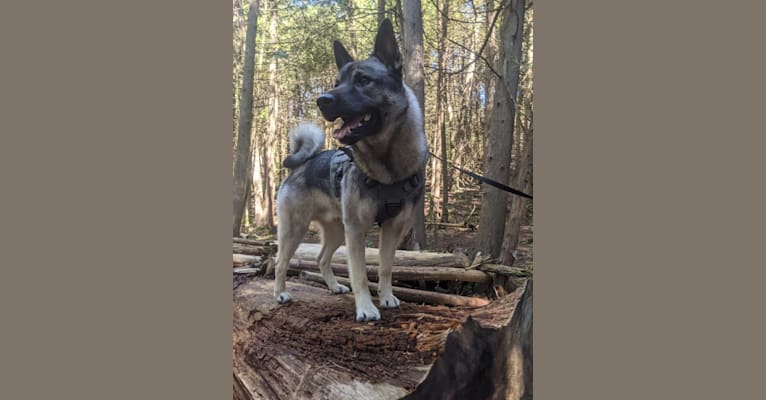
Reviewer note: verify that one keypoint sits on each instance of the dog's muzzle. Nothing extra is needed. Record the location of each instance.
(325, 100)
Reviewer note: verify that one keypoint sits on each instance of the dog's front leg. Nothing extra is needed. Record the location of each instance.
(390, 235)
(365, 309)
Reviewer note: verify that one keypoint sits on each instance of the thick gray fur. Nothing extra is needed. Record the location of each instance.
(394, 150)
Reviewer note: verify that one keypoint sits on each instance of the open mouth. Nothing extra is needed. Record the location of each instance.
(356, 125)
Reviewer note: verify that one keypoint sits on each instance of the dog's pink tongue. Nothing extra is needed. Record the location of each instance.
(341, 132)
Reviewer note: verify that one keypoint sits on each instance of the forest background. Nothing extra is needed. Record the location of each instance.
(470, 65)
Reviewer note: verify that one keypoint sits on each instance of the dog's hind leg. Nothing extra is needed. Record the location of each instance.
(332, 238)
(390, 234)
(290, 233)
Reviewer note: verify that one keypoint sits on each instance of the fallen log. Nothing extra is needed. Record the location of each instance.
(401, 273)
(411, 295)
(261, 249)
(252, 250)
(310, 251)
(247, 270)
(405, 258)
(505, 270)
(312, 348)
(243, 260)
(253, 242)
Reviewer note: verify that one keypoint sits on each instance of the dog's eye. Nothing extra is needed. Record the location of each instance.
(362, 81)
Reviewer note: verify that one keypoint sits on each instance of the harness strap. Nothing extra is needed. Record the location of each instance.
(391, 198)
(339, 163)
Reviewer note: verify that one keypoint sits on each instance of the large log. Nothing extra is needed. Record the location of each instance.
(312, 348)
(253, 242)
(402, 273)
(310, 251)
(241, 260)
(254, 247)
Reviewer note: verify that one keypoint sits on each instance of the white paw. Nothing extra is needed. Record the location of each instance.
(389, 301)
(340, 289)
(367, 312)
(283, 298)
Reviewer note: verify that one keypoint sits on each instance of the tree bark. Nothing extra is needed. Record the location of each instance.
(522, 179)
(267, 146)
(381, 11)
(498, 150)
(352, 27)
(313, 349)
(522, 173)
(518, 338)
(244, 134)
(440, 143)
(414, 78)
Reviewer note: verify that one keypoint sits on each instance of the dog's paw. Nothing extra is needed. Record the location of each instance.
(283, 298)
(340, 289)
(367, 312)
(389, 301)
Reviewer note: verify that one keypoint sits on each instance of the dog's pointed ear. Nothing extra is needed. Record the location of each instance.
(341, 54)
(386, 48)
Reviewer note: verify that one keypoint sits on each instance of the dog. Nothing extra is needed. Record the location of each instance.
(377, 177)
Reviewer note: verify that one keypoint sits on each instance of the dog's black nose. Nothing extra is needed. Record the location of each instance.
(325, 100)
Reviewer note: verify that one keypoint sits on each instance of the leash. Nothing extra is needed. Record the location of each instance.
(483, 178)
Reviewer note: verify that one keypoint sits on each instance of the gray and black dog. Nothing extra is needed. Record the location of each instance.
(377, 177)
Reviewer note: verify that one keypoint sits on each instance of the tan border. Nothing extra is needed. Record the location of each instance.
(646, 197)
(116, 210)
(115, 163)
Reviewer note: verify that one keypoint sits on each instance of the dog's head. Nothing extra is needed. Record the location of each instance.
(367, 93)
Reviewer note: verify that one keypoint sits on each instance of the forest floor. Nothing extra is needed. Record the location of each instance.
(465, 206)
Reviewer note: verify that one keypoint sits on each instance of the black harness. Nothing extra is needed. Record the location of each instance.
(391, 197)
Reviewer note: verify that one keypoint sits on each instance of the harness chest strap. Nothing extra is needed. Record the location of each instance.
(391, 198)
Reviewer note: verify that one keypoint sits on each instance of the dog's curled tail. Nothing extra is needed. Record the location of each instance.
(305, 141)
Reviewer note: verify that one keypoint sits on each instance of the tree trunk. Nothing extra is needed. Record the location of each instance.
(239, 22)
(522, 180)
(414, 78)
(522, 171)
(517, 339)
(440, 142)
(381, 11)
(507, 343)
(445, 173)
(262, 181)
(351, 21)
(244, 134)
(498, 150)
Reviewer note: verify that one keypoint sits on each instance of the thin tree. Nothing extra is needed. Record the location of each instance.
(498, 149)
(381, 11)
(412, 16)
(522, 165)
(243, 163)
(267, 143)
(438, 178)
